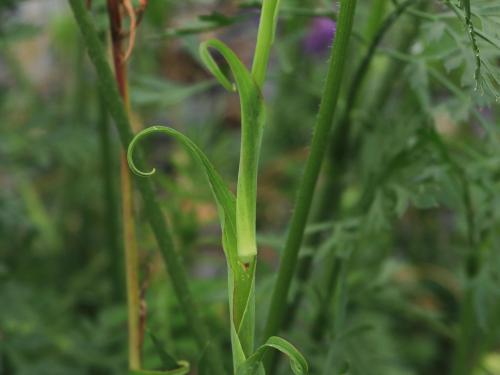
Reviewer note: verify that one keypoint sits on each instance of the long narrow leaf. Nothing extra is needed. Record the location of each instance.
(253, 365)
(241, 277)
(252, 124)
(223, 196)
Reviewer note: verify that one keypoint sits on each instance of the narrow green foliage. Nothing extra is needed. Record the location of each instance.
(472, 35)
(225, 199)
(238, 215)
(241, 277)
(313, 165)
(171, 366)
(252, 124)
(151, 207)
(253, 365)
(265, 38)
(400, 269)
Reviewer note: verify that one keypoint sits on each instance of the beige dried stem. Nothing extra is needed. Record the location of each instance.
(129, 8)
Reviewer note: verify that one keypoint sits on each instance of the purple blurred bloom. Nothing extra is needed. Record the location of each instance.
(320, 36)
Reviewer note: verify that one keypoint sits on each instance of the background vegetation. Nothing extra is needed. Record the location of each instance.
(399, 272)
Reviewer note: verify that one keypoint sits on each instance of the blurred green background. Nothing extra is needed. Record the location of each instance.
(415, 193)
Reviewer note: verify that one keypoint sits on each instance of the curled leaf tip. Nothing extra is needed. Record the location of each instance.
(212, 65)
(130, 153)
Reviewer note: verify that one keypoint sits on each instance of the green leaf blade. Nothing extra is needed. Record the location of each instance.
(223, 196)
(253, 365)
(253, 118)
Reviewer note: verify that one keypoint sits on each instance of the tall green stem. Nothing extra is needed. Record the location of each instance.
(313, 165)
(152, 208)
(330, 192)
(265, 39)
(375, 15)
(110, 198)
(251, 139)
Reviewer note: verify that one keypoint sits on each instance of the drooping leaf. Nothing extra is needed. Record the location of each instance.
(240, 279)
(223, 196)
(169, 364)
(253, 365)
(252, 124)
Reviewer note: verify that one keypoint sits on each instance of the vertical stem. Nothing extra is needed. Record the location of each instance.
(131, 266)
(313, 165)
(265, 39)
(248, 169)
(110, 198)
(375, 15)
(152, 208)
(129, 238)
(329, 194)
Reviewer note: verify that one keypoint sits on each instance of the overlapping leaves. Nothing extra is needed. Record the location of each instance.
(237, 215)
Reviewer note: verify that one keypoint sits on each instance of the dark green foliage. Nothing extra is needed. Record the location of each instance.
(402, 248)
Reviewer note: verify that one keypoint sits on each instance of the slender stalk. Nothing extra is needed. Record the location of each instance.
(249, 155)
(375, 16)
(265, 39)
(313, 165)
(245, 199)
(152, 208)
(128, 220)
(331, 191)
(109, 197)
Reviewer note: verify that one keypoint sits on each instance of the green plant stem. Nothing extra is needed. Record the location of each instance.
(110, 198)
(341, 146)
(152, 208)
(375, 16)
(313, 165)
(331, 190)
(265, 38)
(279, 135)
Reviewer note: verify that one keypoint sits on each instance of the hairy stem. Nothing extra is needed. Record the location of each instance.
(332, 188)
(152, 208)
(313, 165)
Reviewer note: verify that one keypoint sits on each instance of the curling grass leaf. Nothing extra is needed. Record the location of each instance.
(252, 124)
(237, 215)
(223, 196)
(241, 278)
(253, 365)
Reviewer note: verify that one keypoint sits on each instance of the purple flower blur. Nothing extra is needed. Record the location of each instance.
(320, 36)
